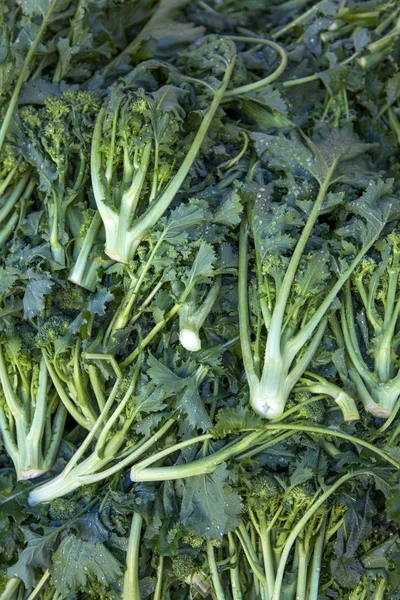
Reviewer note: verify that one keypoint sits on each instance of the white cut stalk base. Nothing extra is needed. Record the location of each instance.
(190, 340)
(117, 257)
(378, 411)
(31, 474)
(268, 407)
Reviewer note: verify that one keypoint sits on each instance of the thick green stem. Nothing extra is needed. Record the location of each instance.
(170, 450)
(158, 208)
(244, 326)
(191, 320)
(252, 87)
(250, 553)
(83, 420)
(118, 238)
(332, 432)
(197, 467)
(159, 579)
(79, 270)
(236, 588)
(216, 581)
(301, 586)
(14, 196)
(270, 398)
(11, 589)
(316, 561)
(131, 580)
(380, 589)
(136, 453)
(267, 554)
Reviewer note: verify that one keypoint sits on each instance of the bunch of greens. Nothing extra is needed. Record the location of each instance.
(199, 300)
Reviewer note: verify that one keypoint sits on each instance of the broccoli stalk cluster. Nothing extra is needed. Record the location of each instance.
(32, 418)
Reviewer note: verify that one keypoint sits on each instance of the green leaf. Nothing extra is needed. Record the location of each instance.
(35, 296)
(97, 303)
(37, 554)
(232, 420)
(203, 264)
(229, 211)
(77, 560)
(393, 89)
(372, 208)
(160, 374)
(8, 276)
(393, 504)
(183, 220)
(188, 400)
(192, 405)
(290, 154)
(209, 505)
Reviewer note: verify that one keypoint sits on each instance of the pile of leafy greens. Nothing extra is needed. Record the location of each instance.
(199, 299)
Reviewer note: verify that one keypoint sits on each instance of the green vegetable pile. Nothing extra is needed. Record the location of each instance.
(199, 299)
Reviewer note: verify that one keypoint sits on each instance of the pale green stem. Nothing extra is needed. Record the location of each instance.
(131, 589)
(217, 584)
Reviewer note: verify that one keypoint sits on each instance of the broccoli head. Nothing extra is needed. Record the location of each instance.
(263, 492)
(183, 567)
(62, 509)
(313, 412)
(52, 330)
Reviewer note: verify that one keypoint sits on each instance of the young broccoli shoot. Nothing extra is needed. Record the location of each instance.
(32, 418)
(58, 146)
(370, 318)
(296, 287)
(136, 141)
(109, 434)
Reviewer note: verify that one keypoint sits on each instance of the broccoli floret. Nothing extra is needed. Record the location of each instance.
(62, 509)
(183, 567)
(263, 492)
(69, 298)
(313, 412)
(300, 495)
(9, 160)
(30, 116)
(193, 540)
(54, 328)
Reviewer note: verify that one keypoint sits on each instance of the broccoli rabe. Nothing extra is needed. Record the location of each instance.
(59, 136)
(296, 288)
(315, 384)
(108, 439)
(184, 567)
(370, 318)
(32, 417)
(62, 355)
(136, 143)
